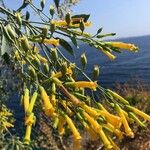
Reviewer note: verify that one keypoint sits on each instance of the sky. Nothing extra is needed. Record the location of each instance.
(124, 17)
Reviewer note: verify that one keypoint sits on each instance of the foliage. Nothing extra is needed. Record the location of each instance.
(50, 80)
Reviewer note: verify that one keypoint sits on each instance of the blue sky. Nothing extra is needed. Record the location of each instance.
(125, 17)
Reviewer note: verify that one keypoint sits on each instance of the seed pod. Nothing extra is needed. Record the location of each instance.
(83, 60)
(82, 26)
(27, 15)
(54, 54)
(32, 72)
(52, 27)
(42, 4)
(11, 32)
(46, 68)
(52, 10)
(68, 18)
(18, 18)
(25, 44)
(96, 72)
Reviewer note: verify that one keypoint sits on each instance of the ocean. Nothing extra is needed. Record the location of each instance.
(126, 67)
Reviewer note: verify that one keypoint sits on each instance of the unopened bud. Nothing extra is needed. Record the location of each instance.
(54, 54)
(83, 60)
(18, 19)
(68, 18)
(64, 68)
(96, 72)
(25, 44)
(52, 10)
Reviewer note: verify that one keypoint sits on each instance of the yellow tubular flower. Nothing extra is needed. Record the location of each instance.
(114, 120)
(107, 53)
(27, 135)
(68, 110)
(29, 120)
(89, 110)
(26, 99)
(105, 140)
(42, 59)
(51, 41)
(122, 45)
(63, 23)
(85, 84)
(91, 132)
(117, 132)
(115, 95)
(93, 122)
(8, 125)
(138, 112)
(61, 124)
(115, 147)
(49, 109)
(74, 130)
(128, 130)
(32, 102)
(59, 74)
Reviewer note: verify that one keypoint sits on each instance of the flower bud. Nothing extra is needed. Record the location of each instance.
(51, 10)
(96, 72)
(52, 27)
(10, 31)
(68, 18)
(18, 18)
(32, 72)
(46, 68)
(25, 44)
(83, 60)
(64, 68)
(54, 54)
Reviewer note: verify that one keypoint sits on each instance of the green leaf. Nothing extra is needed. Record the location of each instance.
(84, 16)
(57, 3)
(99, 30)
(66, 46)
(105, 35)
(42, 4)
